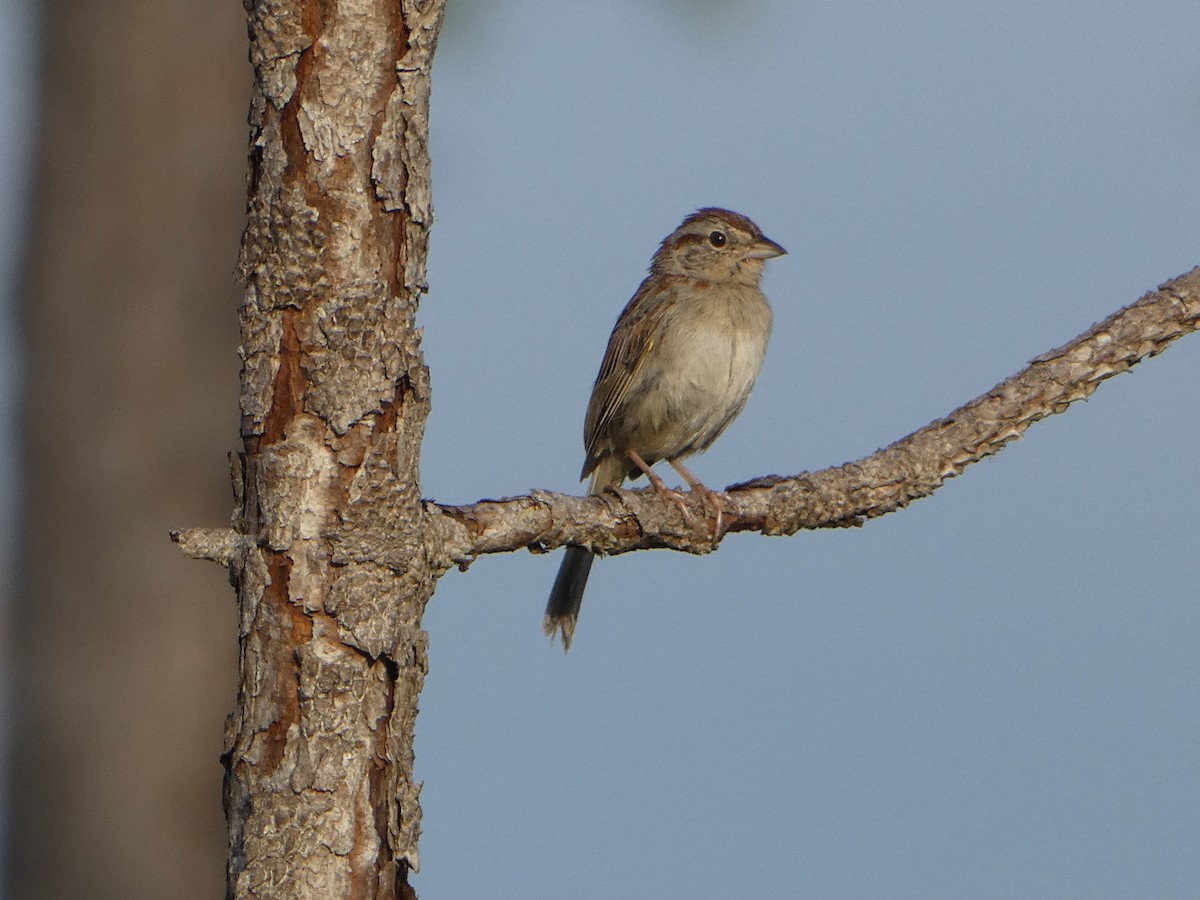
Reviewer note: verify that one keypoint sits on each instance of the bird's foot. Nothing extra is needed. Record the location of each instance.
(676, 497)
(712, 500)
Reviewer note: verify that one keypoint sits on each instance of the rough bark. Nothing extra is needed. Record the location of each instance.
(319, 790)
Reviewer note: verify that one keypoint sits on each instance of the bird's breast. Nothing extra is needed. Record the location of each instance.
(706, 358)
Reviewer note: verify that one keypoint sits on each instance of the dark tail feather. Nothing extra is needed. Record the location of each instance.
(567, 594)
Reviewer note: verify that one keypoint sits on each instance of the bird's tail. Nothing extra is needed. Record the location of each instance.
(566, 597)
(562, 610)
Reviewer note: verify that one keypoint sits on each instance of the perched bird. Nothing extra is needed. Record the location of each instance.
(679, 367)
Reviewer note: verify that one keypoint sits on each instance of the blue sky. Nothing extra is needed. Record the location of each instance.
(991, 694)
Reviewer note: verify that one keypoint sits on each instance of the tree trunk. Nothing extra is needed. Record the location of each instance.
(123, 667)
(319, 789)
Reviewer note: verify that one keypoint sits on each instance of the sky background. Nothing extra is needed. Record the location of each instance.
(990, 694)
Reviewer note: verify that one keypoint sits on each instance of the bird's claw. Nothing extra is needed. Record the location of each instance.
(712, 500)
(681, 502)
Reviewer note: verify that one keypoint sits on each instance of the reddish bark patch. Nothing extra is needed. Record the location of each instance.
(289, 627)
(287, 398)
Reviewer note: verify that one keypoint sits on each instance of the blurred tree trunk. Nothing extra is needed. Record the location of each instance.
(123, 668)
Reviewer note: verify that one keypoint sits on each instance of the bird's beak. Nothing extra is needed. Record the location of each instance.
(765, 248)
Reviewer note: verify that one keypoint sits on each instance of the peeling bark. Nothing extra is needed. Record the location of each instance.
(319, 791)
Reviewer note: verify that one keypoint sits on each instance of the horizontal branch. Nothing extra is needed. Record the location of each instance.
(887, 480)
(837, 497)
(220, 545)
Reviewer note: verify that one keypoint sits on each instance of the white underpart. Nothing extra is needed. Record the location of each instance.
(710, 374)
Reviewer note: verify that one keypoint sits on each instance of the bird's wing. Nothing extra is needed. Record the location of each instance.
(629, 346)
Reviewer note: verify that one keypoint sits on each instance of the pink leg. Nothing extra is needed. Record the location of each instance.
(674, 496)
(711, 498)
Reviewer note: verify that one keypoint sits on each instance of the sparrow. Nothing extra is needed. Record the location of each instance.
(680, 365)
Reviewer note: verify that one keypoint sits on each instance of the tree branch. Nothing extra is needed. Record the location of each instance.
(847, 495)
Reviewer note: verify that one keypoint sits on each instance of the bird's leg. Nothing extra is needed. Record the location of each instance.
(711, 498)
(657, 483)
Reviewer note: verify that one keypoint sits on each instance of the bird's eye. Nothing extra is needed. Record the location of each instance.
(717, 239)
